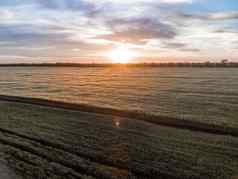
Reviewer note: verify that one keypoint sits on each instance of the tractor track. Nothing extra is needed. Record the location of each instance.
(77, 168)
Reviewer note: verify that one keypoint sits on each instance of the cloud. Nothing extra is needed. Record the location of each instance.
(27, 34)
(216, 16)
(176, 1)
(77, 5)
(226, 30)
(190, 50)
(138, 31)
(5, 14)
(59, 28)
(140, 1)
(223, 15)
(175, 45)
(183, 47)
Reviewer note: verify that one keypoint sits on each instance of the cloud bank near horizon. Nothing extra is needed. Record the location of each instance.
(84, 30)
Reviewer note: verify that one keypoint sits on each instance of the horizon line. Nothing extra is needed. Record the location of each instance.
(222, 63)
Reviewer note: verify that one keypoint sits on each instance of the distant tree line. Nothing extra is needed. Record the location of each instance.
(170, 64)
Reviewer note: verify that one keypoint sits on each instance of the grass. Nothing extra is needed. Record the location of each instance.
(48, 142)
(205, 126)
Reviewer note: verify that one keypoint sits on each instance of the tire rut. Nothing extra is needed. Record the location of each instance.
(61, 148)
(100, 161)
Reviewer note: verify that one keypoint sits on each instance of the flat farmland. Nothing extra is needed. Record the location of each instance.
(207, 95)
(46, 142)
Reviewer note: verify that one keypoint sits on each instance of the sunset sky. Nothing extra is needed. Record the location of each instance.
(35, 31)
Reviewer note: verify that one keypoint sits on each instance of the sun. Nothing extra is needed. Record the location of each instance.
(121, 55)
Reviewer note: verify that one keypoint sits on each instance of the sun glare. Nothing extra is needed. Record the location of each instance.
(121, 55)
